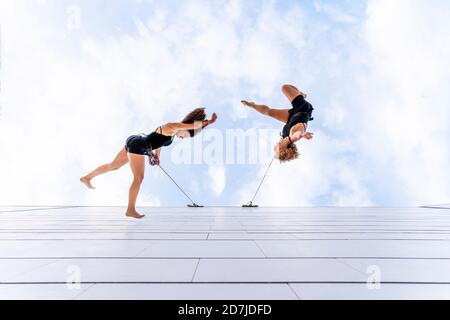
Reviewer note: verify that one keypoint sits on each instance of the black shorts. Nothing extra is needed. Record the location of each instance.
(138, 145)
(300, 105)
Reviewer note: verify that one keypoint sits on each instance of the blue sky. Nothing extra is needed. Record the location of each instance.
(78, 92)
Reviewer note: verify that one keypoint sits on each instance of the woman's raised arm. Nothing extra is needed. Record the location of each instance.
(177, 126)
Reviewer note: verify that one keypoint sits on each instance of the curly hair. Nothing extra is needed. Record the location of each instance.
(288, 154)
(195, 116)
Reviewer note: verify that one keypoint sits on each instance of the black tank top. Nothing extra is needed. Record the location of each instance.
(300, 113)
(157, 140)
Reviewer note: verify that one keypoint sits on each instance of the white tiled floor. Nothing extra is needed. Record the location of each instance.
(275, 270)
(40, 292)
(224, 253)
(113, 270)
(194, 291)
(361, 292)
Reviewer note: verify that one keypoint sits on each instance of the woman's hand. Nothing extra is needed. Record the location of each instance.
(208, 122)
(308, 135)
(213, 118)
(154, 161)
(247, 103)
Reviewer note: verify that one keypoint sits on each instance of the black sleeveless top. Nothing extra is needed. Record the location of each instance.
(157, 140)
(301, 112)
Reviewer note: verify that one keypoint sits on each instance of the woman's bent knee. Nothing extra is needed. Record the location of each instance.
(290, 91)
(288, 88)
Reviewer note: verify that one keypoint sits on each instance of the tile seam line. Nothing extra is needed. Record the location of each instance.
(348, 265)
(293, 291)
(39, 209)
(231, 282)
(48, 263)
(55, 230)
(218, 232)
(195, 271)
(138, 254)
(84, 291)
(219, 240)
(260, 249)
(224, 258)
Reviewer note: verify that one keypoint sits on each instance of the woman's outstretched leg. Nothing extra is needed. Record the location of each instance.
(278, 114)
(119, 161)
(137, 164)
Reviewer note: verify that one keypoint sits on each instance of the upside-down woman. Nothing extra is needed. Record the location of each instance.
(295, 119)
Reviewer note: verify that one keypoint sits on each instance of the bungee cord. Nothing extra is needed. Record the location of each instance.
(193, 205)
(250, 204)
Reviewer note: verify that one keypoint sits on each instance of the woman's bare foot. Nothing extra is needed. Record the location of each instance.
(248, 104)
(134, 214)
(87, 182)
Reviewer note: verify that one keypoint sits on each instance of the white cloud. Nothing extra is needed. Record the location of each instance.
(334, 12)
(321, 173)
(217, 179)
(70, 99)
(63, 116)
(407, 116)
(387, 120)
(380, 87)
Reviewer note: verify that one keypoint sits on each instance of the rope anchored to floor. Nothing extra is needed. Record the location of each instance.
(193, 205)
(250, 204)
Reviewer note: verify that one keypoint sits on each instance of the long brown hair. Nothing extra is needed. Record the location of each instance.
(196, 115)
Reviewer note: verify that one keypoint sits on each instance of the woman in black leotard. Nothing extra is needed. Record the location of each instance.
(295, 120)
(137, 147)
